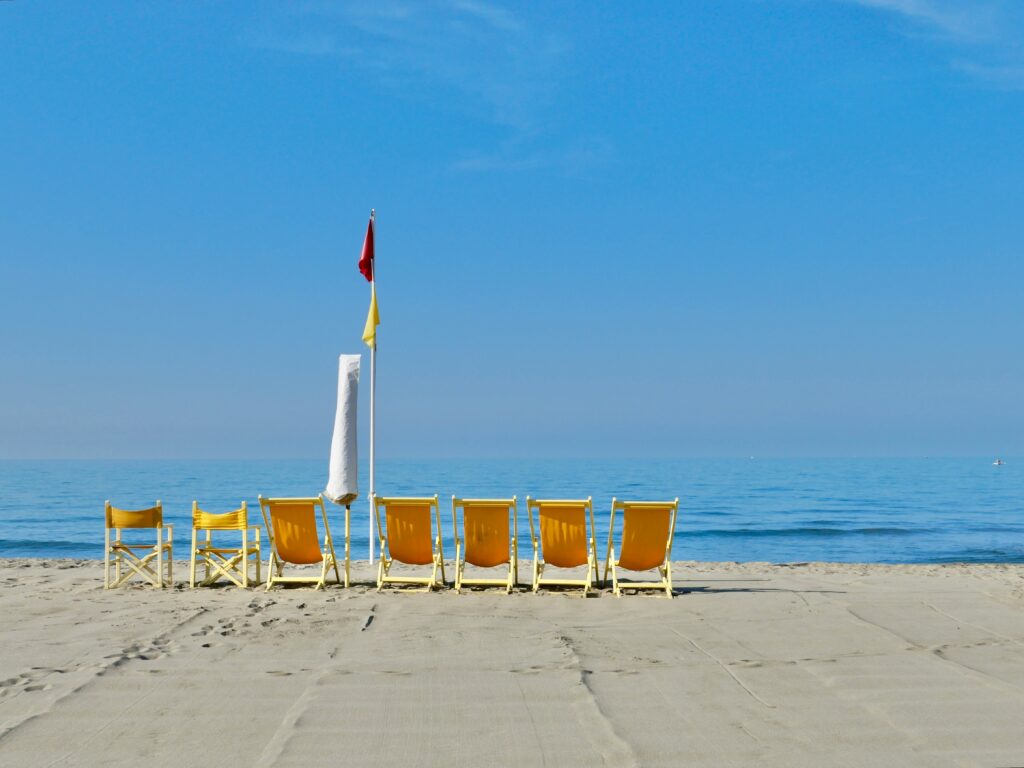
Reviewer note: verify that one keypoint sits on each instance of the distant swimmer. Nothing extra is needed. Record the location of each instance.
(998, 463)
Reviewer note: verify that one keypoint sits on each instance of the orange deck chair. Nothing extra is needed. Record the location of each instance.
(564, 540)
(231, 562)
(489, 532)
(406, 536)
(292, 530)
(138, 557)
(648, 528)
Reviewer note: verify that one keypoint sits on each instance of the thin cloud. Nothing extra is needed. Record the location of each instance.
(984, 37)
(475, 58)
(956, 20)
(572, 159)
(484, 55)
(496, 16)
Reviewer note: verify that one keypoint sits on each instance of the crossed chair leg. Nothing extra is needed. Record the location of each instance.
(217, 564)
(138, 566)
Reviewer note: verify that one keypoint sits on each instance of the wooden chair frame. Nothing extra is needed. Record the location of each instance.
(231, 563)
(275, 563)
(385, 561)
(510, 581)
(137, 557)
(664, 570)
(538, 561)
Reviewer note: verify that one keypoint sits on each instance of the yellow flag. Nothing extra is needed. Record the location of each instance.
(372, 319)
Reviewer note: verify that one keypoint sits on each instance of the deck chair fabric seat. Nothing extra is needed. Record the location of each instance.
(231, 563)
(488, 539)
(566, 540)
(407, 535)
(152, 563)
(648, 528)
(291, 525)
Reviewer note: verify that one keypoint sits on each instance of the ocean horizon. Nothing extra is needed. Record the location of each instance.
(877, 510)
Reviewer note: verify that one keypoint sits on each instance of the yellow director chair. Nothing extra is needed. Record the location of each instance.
(406, 536)
(489, 533)
(137, 557)
(291, 528)
(230, 562)
(648, 528)
(564, 540)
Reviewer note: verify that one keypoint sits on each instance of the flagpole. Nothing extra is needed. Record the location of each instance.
(373, 391)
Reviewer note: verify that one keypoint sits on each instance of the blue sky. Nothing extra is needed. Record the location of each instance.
(733, 227)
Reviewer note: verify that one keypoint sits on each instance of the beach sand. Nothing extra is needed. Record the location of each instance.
(751, 664)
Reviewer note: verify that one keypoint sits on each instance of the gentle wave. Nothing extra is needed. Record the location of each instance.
(801, 531)
(9, 547)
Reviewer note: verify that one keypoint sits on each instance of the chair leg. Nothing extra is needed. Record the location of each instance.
(323, 575)
(106, 558)
(668, 580)
(245, 559)
(192, 563)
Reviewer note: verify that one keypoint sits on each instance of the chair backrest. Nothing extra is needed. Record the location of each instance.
(153, 517)
(487, 528)
(647, 531)
(291, 525)
(226, 521)
(563, 530)
(407, 527)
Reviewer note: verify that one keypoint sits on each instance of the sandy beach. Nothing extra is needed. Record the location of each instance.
(817, 664)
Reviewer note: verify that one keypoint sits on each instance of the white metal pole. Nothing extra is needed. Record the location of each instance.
(373, 388)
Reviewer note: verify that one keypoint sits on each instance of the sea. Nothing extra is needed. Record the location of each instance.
(927, 510)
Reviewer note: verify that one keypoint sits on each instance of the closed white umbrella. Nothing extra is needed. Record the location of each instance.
(343, 481)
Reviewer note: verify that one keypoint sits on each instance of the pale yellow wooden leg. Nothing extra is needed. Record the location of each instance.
(106, 558)
(458, 566)
(192, 563)
(440, 557)
(515, 560)
(245, 558)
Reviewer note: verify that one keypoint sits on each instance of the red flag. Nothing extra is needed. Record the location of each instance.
(366, 260)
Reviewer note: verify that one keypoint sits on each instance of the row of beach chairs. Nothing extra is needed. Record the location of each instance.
(486, 535)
